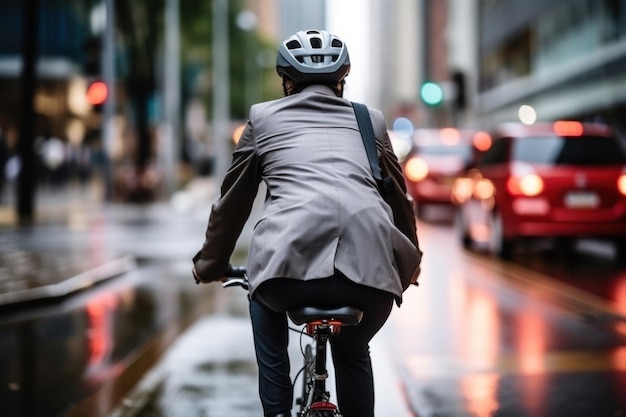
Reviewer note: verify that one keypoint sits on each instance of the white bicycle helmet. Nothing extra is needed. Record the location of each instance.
(313, 56)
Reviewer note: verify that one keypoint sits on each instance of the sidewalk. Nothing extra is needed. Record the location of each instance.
(78, 241)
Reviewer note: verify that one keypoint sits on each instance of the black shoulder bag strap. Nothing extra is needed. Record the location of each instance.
(385, 186)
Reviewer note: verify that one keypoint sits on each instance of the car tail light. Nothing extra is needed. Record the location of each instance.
(621, 184)
(484, 189)
(415, 169)
(527, 185)
(462, 189)
(568, 128)
(482, 141)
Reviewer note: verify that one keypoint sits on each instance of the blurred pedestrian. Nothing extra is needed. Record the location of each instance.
(326, 236)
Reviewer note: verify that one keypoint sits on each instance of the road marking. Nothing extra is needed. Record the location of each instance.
(429, 366)
(560, 294)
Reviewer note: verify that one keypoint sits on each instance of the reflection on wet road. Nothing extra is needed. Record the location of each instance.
(478, 337)
(589, 266)
(489, 338)
(56, 355)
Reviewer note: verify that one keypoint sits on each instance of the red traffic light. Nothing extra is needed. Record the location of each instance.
(97, 93)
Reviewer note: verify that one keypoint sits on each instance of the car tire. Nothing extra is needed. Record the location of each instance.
(499, 245)
(463, 230)
(620, 252)
(566, 245)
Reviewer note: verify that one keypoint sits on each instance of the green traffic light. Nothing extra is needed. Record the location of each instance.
(431, 93)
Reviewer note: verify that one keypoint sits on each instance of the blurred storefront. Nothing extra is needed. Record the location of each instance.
(97, 102)
(63, 120)
(564, 58)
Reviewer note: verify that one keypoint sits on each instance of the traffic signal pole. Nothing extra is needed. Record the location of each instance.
(171, 147)
(27, 178)
(221, 88)
(108, 107)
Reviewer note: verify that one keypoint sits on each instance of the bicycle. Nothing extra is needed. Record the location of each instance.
(319, 324)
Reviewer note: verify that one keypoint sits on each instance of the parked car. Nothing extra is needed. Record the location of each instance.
(436, 158)
(564, 180)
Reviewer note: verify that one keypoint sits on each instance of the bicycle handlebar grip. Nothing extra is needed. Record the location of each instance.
(236, 271)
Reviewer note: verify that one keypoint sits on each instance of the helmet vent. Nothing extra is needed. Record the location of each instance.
(293, 45)
(336, 43)
(316, 43)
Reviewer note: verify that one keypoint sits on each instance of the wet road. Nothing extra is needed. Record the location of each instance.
(477, 338)
(56, 354)
(92, 296)
(500, 339)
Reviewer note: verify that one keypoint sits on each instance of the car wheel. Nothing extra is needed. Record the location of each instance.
(463, 229)
(499, 245)
(620, 252)
(566, 245)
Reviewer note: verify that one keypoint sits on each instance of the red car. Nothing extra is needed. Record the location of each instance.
(561, 180)
(435, 160)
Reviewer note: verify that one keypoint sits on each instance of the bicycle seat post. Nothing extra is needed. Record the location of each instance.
(321, 324)
(322, 332)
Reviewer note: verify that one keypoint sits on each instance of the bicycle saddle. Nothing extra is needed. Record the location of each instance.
(349, 316)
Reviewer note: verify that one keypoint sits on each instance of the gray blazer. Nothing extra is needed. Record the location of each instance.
(322, 209)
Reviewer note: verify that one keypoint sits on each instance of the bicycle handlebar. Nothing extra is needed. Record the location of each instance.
(236, 277)
(236, 272)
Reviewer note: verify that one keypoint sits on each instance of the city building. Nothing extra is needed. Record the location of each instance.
(565, 59)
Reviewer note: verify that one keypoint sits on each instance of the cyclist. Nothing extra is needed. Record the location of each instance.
(326, 237)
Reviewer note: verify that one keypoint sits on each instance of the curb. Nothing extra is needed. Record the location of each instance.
(71, 285)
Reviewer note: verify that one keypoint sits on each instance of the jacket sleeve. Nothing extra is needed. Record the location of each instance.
(231, 211)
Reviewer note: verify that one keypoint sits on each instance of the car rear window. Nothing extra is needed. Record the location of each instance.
(585, 150)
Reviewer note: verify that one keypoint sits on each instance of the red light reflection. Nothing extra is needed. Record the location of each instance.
(99, 310)
(481, 393)
(483, 336)
(620, 299)
(483, 329)
(532, 344)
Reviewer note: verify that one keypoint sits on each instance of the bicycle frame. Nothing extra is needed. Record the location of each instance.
(320, 325)
(315, 400)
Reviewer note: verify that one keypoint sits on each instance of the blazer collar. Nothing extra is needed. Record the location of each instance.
(318, 88)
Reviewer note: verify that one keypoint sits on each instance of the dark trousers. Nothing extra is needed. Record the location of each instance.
(350, 348)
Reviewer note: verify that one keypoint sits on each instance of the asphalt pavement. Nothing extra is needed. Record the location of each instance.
(209, 370)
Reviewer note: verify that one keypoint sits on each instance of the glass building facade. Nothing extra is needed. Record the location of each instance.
(567, 58)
